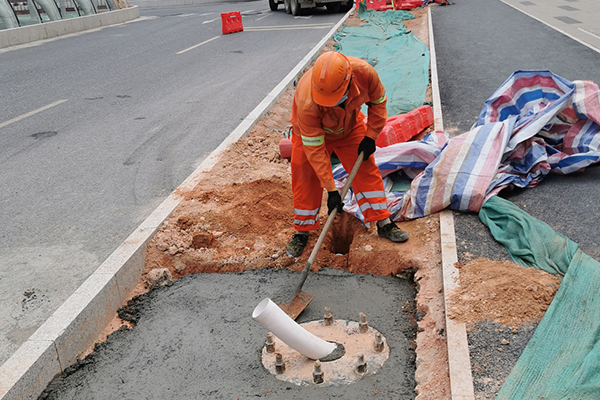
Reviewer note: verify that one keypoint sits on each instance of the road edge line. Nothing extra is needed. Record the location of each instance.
(459, 361)
(78, 322)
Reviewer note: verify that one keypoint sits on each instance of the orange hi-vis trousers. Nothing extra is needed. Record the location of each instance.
(308, 193)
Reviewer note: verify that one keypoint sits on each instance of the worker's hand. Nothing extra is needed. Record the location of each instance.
(334, 201)
(368, 146)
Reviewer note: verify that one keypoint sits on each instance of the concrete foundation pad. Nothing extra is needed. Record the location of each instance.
(196, 339)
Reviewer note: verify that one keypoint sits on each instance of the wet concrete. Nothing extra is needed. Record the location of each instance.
(196, 339)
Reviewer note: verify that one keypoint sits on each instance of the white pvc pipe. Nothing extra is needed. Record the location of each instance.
(285, 328)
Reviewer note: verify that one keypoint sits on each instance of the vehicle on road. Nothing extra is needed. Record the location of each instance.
(298, 7)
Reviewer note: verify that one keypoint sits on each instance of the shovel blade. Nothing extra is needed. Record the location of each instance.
(297, 305)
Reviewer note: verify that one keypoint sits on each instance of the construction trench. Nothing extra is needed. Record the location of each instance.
(187, 330)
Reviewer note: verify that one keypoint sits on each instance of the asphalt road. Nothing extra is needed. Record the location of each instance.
(97, 128)
(479, 44)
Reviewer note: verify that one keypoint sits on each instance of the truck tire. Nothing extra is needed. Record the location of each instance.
(347, 7)
(295, 7)
(286, 4)
(273, 5)
(334, 7)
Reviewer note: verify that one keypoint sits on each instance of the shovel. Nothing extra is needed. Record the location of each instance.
(298, 300)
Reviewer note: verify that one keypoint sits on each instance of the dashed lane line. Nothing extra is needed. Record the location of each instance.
(197, 45)
(287, 27)
(29, 114)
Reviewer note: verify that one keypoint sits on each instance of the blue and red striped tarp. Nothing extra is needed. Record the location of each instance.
(534, 124)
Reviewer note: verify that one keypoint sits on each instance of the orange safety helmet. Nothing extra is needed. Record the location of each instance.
(330, 78)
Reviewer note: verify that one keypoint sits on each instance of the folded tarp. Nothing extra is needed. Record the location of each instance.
(561, 358)
(534, 124)
(400, 59)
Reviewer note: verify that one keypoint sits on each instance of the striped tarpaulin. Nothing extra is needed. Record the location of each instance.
(534, 124)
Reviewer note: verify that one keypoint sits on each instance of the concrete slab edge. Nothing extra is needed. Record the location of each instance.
(459, 361)
(48, 30)
(76, 324)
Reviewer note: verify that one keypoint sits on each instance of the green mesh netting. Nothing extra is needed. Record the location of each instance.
(561, 360)
(400, 59)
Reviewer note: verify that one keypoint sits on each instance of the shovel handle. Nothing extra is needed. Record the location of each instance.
(328, 224)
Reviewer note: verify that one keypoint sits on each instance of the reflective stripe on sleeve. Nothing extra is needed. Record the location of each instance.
(313, 141)
(380, 100)
(331, 131)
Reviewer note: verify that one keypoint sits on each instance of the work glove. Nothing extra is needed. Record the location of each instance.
(334, 201)
(368, 146)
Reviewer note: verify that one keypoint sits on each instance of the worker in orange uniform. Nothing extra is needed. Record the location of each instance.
(326, 118)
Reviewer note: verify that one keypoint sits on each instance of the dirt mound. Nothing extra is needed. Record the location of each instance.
(503, 292)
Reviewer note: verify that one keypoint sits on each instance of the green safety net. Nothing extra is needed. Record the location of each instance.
(561, 360)
(400, 59)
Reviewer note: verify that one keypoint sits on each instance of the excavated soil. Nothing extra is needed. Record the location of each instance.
(503, 292)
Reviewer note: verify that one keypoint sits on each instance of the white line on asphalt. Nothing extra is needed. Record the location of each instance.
(589, 33)
(199, 44)
(263, 17)
(204, 15)
(246, 12)
(210, 20)
(29, 114)
(302, 17)
(288, 28)
(185, 15)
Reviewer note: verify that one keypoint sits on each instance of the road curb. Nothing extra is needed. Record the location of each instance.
(78, 322)
(459, 361)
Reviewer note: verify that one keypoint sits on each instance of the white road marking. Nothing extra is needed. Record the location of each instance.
(29, 114)
(589, 33)
(185, 15)
(263, 17)
(199, 44)
(286, 28)
(210, 20)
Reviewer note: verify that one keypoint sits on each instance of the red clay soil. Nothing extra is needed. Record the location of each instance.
(503, 292)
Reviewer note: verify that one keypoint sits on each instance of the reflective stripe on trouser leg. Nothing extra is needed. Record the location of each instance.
(375, 200)
(367, 182)
(306, 188)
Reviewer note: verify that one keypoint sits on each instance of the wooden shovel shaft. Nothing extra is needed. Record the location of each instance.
(327, 225)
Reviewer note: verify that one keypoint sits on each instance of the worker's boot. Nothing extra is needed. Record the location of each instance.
(392, 232)
(297, 244)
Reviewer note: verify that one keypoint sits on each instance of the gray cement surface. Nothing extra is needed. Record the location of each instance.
(196, 339)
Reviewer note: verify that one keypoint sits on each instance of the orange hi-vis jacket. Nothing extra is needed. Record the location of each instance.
(316, 124)
(318, 131)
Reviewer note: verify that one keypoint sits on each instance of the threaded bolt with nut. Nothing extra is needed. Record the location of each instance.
(378, 344)
(270, 344)
(279, 364)
(361, 364)
(327, 317)
(317, 373)
(363, 326)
